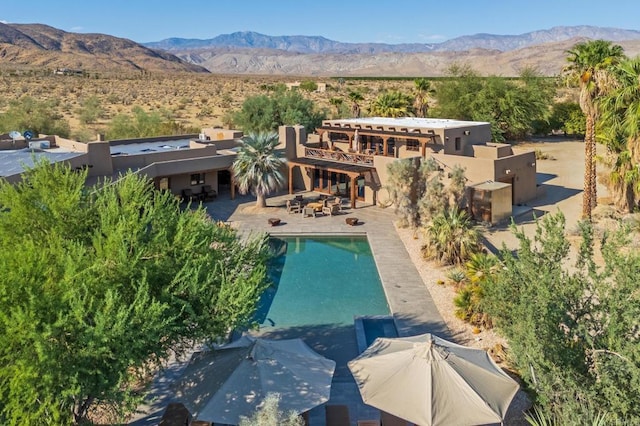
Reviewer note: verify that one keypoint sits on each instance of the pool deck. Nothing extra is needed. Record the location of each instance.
(409, 300)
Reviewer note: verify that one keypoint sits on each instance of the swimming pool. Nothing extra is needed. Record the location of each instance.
(321, 280)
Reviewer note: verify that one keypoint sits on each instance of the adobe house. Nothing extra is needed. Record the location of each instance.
(349, 157)
(174, 163)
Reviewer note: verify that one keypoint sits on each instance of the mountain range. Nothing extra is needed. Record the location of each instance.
(318, 44)
(38, 45)
(489, 54)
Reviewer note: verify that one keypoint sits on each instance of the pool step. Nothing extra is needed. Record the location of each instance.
(369, 327)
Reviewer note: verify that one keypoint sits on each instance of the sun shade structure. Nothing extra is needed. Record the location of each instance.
(430, 381)
(224, 384)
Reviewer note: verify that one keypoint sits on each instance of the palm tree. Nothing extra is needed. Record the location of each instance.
(337, 103)
(423, 91)
(589, 65)
(620, 122)
(392, 104)
(355, 97)
(257, 168)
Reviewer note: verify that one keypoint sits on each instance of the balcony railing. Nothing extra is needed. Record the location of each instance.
(339, 156)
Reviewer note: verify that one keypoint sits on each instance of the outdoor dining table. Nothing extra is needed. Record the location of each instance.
(316, 205)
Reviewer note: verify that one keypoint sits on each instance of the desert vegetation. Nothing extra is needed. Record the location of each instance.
(182, 102)
(104, 286)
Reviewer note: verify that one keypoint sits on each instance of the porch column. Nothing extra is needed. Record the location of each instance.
(291, 166)
(353, 190)
(320, 134)
(385, 146)
(423, 145)
(233, 185)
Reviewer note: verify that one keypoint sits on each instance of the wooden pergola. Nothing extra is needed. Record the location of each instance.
(354, 171)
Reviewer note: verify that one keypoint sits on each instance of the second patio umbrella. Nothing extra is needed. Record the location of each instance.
(431, 381)
(224, 384)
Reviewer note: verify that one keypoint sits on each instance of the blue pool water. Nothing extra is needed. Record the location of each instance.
(321, 280)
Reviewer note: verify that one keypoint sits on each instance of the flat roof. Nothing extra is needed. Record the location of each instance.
(409, 122)
(145, 147)
(490, 185)
(13, 162)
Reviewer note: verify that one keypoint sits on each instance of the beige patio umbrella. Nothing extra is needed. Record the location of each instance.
(430, 381)
(224, 384)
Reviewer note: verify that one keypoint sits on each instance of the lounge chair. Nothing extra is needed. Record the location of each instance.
(337, 415)
(293, 207)
(208, 193)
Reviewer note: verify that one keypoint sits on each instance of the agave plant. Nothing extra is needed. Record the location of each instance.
(457, 277)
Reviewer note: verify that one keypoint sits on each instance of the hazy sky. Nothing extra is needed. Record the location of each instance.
(399, 21)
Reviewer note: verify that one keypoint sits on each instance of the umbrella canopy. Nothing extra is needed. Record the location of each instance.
(224, 384)
(430, 381)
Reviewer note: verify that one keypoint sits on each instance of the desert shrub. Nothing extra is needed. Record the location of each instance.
(451, 238)
(90, 110)
(572, 323)
(142, 124)
(271, 415)
(27, 113)
(265, 113)
(309, 86)
(511, 106)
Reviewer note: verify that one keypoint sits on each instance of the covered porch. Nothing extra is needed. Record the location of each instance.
(332, 177)
(369, 141)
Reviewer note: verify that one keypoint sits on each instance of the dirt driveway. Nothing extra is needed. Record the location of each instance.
(560, 181)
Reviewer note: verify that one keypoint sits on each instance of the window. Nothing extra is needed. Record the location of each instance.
(197, 179)
(413, 145)
(163, 184)
(457, 142)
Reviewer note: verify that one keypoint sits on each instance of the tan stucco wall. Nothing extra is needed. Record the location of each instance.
(521, 172)
(217, 134)
(490, 150)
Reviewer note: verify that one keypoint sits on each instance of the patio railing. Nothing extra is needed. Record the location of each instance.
(339, 156)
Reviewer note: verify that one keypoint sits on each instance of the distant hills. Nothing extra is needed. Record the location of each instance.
(247, 52)
(253, 53)
(317, 44)
(37, 45)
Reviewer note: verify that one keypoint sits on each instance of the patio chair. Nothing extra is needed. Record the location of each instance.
(331, 209)
(308, 212)
(176, 414)
(293, 207)
(208, 193)
(338, 202)
(337, 415)
(390, 420)
(188, 195)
